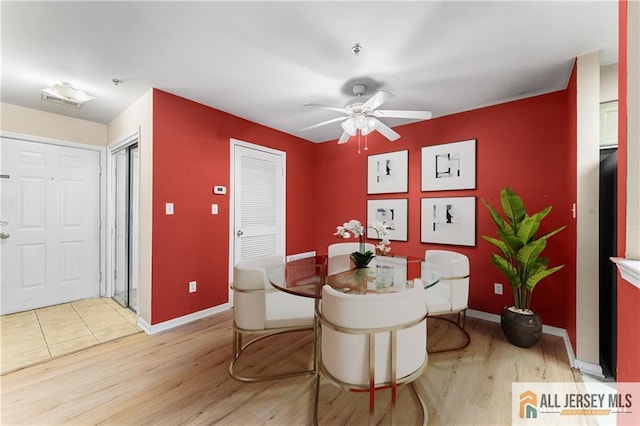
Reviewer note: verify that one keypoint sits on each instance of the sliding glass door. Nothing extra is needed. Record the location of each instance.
(126, 183)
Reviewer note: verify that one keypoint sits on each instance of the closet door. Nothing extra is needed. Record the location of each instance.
(258, 193)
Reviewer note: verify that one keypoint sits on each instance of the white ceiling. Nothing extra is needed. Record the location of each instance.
(264, 60)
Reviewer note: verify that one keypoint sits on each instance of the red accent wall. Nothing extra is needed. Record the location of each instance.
(525, 145)
(628, 349)
(190, 155)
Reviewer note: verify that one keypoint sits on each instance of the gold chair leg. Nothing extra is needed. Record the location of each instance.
(423, 404)
(372, 380)
(461, 314)
(239, 348)
(394, 379)
(462, 318)
(315, 406)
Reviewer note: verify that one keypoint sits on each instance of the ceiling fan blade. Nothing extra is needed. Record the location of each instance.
(387, 131)
(344, 138)
(393, 113)
(333, 120)
(378, 99)
(332, 108)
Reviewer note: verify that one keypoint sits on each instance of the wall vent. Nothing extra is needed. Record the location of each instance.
(61, 101)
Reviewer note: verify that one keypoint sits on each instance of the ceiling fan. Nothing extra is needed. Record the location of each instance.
(361, 115)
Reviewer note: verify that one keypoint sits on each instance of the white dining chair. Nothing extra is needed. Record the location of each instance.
(338, 256)
(373, 341)
(260, 309)
(451, 294)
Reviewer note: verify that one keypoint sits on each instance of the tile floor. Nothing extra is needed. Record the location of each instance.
(38, 335)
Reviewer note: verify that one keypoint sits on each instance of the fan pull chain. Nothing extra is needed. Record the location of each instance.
(366, 141)
(359, 141)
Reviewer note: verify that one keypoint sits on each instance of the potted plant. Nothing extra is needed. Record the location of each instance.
(521, 263)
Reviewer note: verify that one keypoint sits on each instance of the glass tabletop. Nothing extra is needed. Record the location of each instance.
(306, 277)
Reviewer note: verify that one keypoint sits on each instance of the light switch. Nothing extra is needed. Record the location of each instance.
(214, 209)
(168, 208)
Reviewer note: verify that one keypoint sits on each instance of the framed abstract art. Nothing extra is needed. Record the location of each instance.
(449, 166)
(391, 212)
(388, 172)
(450, 220)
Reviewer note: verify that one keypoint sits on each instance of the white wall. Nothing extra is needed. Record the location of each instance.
(27, 121)
(139, 117)
(587, 203)
(609, 83)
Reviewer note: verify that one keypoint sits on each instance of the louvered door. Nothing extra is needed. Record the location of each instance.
(258, 192)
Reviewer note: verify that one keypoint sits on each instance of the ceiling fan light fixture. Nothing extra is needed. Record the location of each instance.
(349, 126)
(361, 115)
(369, 126)
(372, 123)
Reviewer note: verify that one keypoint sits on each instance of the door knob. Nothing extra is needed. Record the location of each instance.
(239, 233)
(4, 235)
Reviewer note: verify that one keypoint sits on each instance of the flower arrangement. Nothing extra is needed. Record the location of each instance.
(383, 230)
(361, 258)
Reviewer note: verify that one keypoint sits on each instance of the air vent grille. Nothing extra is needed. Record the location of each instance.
(61, 101)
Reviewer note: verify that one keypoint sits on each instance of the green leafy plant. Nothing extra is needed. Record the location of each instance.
(362, 260)
(520, 260)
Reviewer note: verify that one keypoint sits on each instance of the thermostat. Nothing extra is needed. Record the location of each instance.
(219, 190)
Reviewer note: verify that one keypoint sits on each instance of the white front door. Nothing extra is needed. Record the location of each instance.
(50, 213)
(258, 201)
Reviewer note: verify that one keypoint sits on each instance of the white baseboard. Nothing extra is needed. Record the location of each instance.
(176, 322)
(299, 256)
(483, 315)
(554, 331)
(589, 368)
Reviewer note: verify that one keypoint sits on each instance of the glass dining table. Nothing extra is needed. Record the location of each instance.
(391, 273)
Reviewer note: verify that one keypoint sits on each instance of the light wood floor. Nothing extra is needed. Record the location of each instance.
(42, 334)
(180, 377)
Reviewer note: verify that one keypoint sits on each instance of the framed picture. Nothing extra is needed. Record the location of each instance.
(449, 220)
(449, 166)
(391, 212)
(387, 173)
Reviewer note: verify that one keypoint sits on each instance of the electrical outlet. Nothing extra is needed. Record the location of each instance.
(497, 288)
(193, 286)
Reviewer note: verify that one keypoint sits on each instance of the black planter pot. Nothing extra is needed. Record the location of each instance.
(521, 329)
